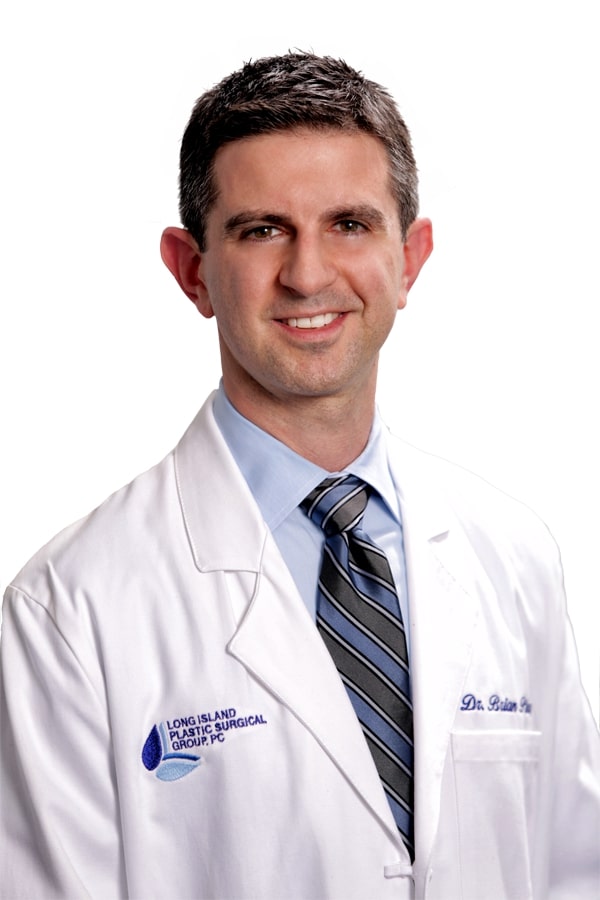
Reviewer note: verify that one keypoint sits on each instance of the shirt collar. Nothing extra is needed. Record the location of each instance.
(280, 479)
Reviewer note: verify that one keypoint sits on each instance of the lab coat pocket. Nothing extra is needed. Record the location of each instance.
(495, 777)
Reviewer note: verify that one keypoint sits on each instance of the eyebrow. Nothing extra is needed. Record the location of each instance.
(248, 216)
(361, 211)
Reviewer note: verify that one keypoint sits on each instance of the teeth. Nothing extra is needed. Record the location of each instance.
(313, 322)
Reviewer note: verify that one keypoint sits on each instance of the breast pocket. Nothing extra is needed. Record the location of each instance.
(496, 774)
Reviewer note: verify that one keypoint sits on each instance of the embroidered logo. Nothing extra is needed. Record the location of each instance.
(495, 703)
(167, 766)
(168, 748)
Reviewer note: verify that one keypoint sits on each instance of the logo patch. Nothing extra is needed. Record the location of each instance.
(166, 766)
(168, 750)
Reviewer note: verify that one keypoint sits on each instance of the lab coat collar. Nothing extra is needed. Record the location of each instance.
(225, 528)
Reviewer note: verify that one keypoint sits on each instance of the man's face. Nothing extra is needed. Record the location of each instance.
(304, 266)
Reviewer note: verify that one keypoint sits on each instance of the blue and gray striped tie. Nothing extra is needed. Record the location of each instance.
(360, 621)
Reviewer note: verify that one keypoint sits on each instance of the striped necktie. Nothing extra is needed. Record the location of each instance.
(359, 619)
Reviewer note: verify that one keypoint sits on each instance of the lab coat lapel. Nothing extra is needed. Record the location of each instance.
(443, 618)
(279, 644)
(223, 535)
(275, 639)
(442, 573)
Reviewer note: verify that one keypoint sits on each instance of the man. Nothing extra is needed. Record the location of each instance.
(174, 724)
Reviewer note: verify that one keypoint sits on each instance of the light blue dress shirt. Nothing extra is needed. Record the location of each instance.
(280, 479)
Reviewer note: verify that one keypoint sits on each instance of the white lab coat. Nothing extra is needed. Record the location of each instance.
(170, 606)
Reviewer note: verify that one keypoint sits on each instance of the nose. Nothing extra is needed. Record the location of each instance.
(307, 267)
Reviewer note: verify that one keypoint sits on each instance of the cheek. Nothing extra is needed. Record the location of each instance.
(242, 290)
(223, 296)
(382, 290)
(380, 273)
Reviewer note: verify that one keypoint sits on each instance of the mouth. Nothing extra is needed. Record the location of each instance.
(308, 322)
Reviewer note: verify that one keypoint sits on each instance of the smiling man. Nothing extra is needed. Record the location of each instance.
(304, 266)
(298, 658)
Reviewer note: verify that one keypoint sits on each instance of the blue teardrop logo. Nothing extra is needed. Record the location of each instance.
(166, 766)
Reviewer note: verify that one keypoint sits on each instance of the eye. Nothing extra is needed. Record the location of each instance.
(350, 226)
(260, 233)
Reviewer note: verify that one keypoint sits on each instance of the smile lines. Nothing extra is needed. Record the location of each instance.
(312, 322)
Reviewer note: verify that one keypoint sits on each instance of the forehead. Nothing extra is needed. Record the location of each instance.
(301, 165)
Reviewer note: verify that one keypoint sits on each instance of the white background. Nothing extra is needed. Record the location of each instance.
(494, 364)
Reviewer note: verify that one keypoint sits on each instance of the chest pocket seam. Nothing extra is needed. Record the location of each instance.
(509, 745)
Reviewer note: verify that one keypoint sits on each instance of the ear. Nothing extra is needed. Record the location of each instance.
(182, 257)
(417, 248)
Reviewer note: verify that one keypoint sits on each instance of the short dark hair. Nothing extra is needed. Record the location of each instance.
(277, 93)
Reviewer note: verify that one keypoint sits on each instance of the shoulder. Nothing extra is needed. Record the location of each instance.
(495, 523)
(127, 528)
(162, 521)
(128, 523)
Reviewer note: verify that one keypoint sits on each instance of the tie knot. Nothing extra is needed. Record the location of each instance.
(337, 504)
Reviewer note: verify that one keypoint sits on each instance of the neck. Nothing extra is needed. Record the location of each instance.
(328, 431)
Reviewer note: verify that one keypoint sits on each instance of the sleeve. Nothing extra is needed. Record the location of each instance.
(59, 816)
